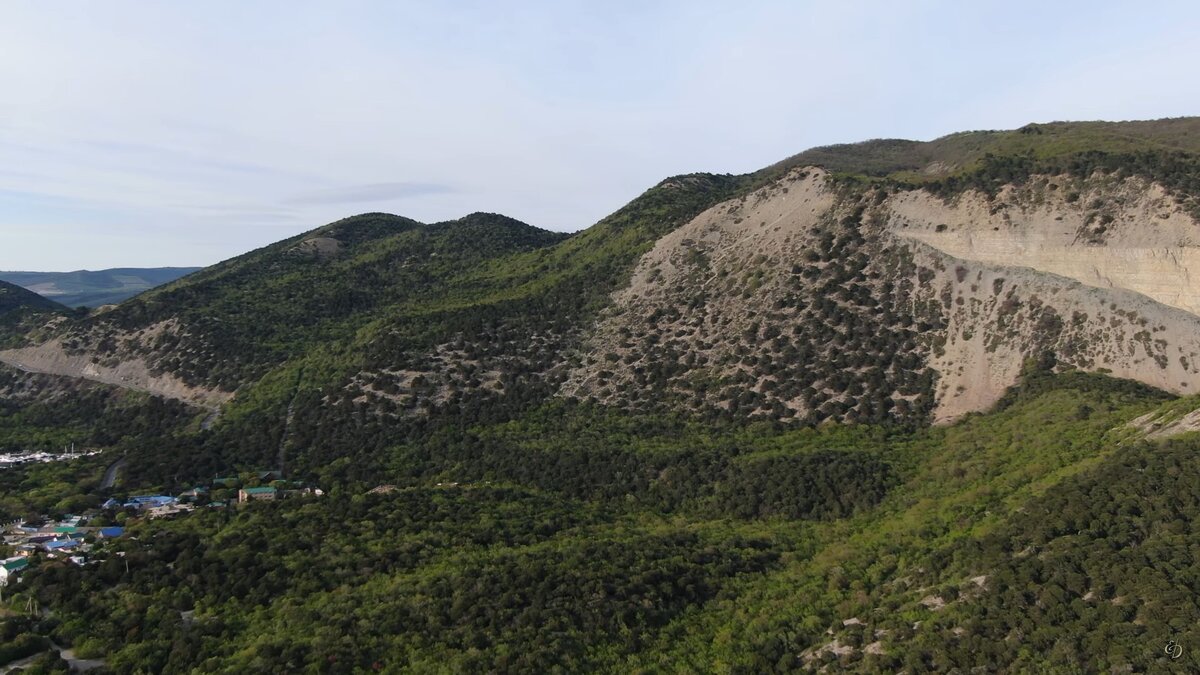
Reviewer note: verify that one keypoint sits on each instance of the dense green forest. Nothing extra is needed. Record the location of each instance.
(647, 541)
(48, 414)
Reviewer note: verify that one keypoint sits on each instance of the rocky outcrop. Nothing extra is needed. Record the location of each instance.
(998, 317)
(746, 308)
(1108, 233)
(134, 373)
(775, 305)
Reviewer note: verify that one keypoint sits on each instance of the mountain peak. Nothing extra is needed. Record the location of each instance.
(365, 227)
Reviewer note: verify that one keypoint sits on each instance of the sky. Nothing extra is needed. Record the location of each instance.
(145, 134)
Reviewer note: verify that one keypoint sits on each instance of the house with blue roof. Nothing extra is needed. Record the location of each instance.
(111, 532)
(61, 544)
(149, 501)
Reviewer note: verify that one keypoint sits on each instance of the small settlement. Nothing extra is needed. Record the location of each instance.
(76, 537)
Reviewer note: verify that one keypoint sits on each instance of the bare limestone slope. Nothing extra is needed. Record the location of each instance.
(777, 304)
(1105, 232)
(813, 300)
(128, 368)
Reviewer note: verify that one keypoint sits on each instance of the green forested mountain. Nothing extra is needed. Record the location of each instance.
(842, 413)
(21, 311)
(16, 299)
(238, 319)
(963, 151)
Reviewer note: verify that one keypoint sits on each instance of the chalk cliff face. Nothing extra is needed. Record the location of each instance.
(1108, 233)
(820, 301)
(1130, 246)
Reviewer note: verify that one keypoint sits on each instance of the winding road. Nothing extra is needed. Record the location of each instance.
(110, 474)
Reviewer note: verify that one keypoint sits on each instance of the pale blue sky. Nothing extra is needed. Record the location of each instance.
(154, 133)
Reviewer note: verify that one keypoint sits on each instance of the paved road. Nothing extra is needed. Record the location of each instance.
(68, 655)
(110, 475)
(78, 665)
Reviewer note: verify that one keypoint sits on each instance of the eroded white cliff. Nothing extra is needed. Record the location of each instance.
(1107, 233)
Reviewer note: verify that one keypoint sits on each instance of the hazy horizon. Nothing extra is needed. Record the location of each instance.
(153, 136)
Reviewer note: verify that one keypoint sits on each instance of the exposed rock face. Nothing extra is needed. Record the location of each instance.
(1108, 233)
(130, 372)
(317, 247)
(1158, 424)
(779, 304)
(997, 317)
(746, 308)
(1127, 243)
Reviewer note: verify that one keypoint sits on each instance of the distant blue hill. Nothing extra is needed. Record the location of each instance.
(93, 289)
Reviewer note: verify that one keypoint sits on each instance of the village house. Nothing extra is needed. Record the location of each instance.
(10, 568)
(61, 545)
(169, 510)
(256, 494)
(195, 493)
(149, 501)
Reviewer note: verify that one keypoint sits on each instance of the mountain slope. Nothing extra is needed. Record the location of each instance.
(792, 294)
(965, 151)
(13, 298)
(816, 297)
(201, 337)
(22, 313)
(646, 542)
(94, 289)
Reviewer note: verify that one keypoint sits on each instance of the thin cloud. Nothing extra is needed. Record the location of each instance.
(552, 113)
(374, 192)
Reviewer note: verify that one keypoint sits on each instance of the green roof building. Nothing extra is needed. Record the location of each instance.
(10, 568)
(257, 494)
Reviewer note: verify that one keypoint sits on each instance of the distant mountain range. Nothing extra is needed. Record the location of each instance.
(85, 288)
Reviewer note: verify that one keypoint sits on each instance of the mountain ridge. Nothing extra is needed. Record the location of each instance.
(95, 288)
(23, 313)
(872, 238)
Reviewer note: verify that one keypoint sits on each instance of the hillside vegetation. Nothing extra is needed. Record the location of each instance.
(859, 410)
(22, 312)
(625, 543)
(965, 151)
